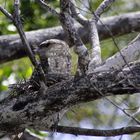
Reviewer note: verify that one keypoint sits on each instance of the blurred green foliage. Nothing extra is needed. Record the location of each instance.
(14, 71)
(34, 17)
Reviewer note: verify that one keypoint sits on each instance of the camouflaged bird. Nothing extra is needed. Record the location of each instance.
(55, 60)
(56, 55)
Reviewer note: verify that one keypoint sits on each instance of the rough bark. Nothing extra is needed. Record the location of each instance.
(11, 47)
(73, 37)
(126, 55)
(95, 45)
(104, 5)
(27, 108)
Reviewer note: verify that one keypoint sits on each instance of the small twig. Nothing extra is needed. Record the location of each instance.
(96, 132)
(134, 114)
(113, 103)
(76, 13)
(6, 13)
(105, 4)
(47, 7)
(16, 20)
(136, 137)
(18, 24)
(86, 8)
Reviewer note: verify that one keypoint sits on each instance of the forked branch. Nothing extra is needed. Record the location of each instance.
(73, 36)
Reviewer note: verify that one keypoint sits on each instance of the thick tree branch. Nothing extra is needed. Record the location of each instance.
(28, 107)
(130, 54)
(73, 36)
(11, 47)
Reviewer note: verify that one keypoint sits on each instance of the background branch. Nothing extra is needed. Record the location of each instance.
(18, 24)
(97, 132)
(95, 44)
(6, 13)
(47, 7)
(12, 48)
(76, 14)
(130, 53)
(102, 7)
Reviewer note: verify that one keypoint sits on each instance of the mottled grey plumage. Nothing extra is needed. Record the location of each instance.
(55, 55)
(55, 59)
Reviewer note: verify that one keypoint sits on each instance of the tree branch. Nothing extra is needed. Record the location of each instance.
(130, 53)
(27, 107)
(105, 4)
(11, 47)
(18, 24)
(76, 14)
(95, 44)
(73, 36)
(94, 37)
(47, 7)
(30, 107)
(6, 13)
(97, 132)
